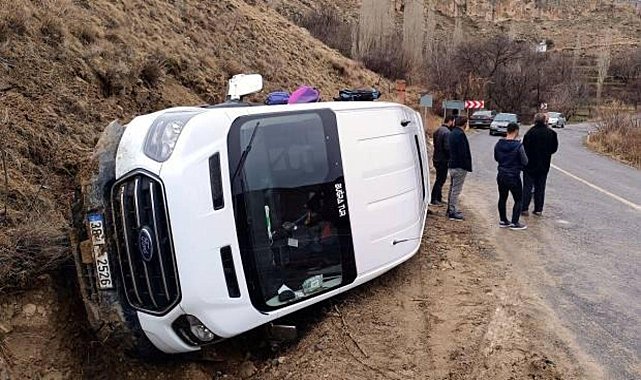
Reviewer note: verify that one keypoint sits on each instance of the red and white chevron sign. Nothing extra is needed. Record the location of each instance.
(474, 104)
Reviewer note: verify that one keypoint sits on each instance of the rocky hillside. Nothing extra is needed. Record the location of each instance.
(562, 22)
(67, 68)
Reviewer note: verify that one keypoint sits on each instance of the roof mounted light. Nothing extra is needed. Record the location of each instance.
(244, 84)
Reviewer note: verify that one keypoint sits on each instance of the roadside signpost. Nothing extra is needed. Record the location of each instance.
(453, 105)
(458, 105)
(473, 105)
(426, 102)
(401, 86)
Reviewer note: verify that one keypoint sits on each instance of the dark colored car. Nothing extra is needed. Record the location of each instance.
(500, 123)
(482, 119)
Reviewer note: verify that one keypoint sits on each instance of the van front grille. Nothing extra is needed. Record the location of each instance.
(145, 246)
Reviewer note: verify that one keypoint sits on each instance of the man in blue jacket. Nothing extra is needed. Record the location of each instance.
(510, 155)
(460, 164)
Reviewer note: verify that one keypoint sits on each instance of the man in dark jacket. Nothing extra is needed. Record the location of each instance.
(540, 144)
(510, 155)
(460, 164)
(440, 158)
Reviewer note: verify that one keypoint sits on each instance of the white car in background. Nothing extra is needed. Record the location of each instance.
(556, 120)
(197, 224)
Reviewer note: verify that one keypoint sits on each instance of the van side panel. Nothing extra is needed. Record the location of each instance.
(382, 180)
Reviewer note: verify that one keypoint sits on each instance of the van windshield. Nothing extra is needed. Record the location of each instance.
(290, 205)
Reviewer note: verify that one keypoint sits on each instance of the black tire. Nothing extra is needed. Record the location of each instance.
(491, 133)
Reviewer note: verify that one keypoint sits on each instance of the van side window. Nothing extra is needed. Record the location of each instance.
(216, 182)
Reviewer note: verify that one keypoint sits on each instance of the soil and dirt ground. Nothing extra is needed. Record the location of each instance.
(67, 68)
(454, 311)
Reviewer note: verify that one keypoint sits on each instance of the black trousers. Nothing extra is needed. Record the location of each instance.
(441, 177)
(507, 185)
(534, 183)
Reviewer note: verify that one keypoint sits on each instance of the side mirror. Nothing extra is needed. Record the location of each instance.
(244, 84)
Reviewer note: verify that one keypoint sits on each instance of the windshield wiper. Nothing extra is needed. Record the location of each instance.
(243, 156)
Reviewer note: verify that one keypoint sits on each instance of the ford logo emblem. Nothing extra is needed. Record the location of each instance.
(145, 244)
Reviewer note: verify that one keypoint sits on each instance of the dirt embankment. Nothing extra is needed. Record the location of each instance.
(68, 68)
(451, 312)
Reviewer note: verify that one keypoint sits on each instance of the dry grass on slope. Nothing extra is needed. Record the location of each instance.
(618, 135)
(69, 67)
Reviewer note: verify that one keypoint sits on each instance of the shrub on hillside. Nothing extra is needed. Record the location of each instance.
(152, 69)
(327, 25)
(118, 78)
(13, 21)
(34, 246)
(618, 134)
(53, 30)
(86, 33)
(388, 59)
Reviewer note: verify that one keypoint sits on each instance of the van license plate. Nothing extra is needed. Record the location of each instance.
(97, 231)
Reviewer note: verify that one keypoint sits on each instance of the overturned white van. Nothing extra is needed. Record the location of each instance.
(196, 224)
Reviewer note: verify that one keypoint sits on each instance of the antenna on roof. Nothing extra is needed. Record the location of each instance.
(242, 85)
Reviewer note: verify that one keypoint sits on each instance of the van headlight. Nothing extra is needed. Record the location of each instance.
(164, 132)
(193, 331)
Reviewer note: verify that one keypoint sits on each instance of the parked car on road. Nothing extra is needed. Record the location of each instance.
(482, 119)
(556, 120)
(500, 122)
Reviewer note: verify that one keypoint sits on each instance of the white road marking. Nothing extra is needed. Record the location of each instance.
(599, 189)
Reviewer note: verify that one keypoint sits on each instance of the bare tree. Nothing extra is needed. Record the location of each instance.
(576, 54)
(430, 30)
(329, 26)
(414, 31)
(375, 25)
(457, 35)
(626, 68)
(493, 9)
(603, 65)
(3, 156)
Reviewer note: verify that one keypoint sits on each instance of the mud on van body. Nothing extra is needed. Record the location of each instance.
(198, 224)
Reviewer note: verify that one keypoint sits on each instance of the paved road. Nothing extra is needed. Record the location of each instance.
(583, 257)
